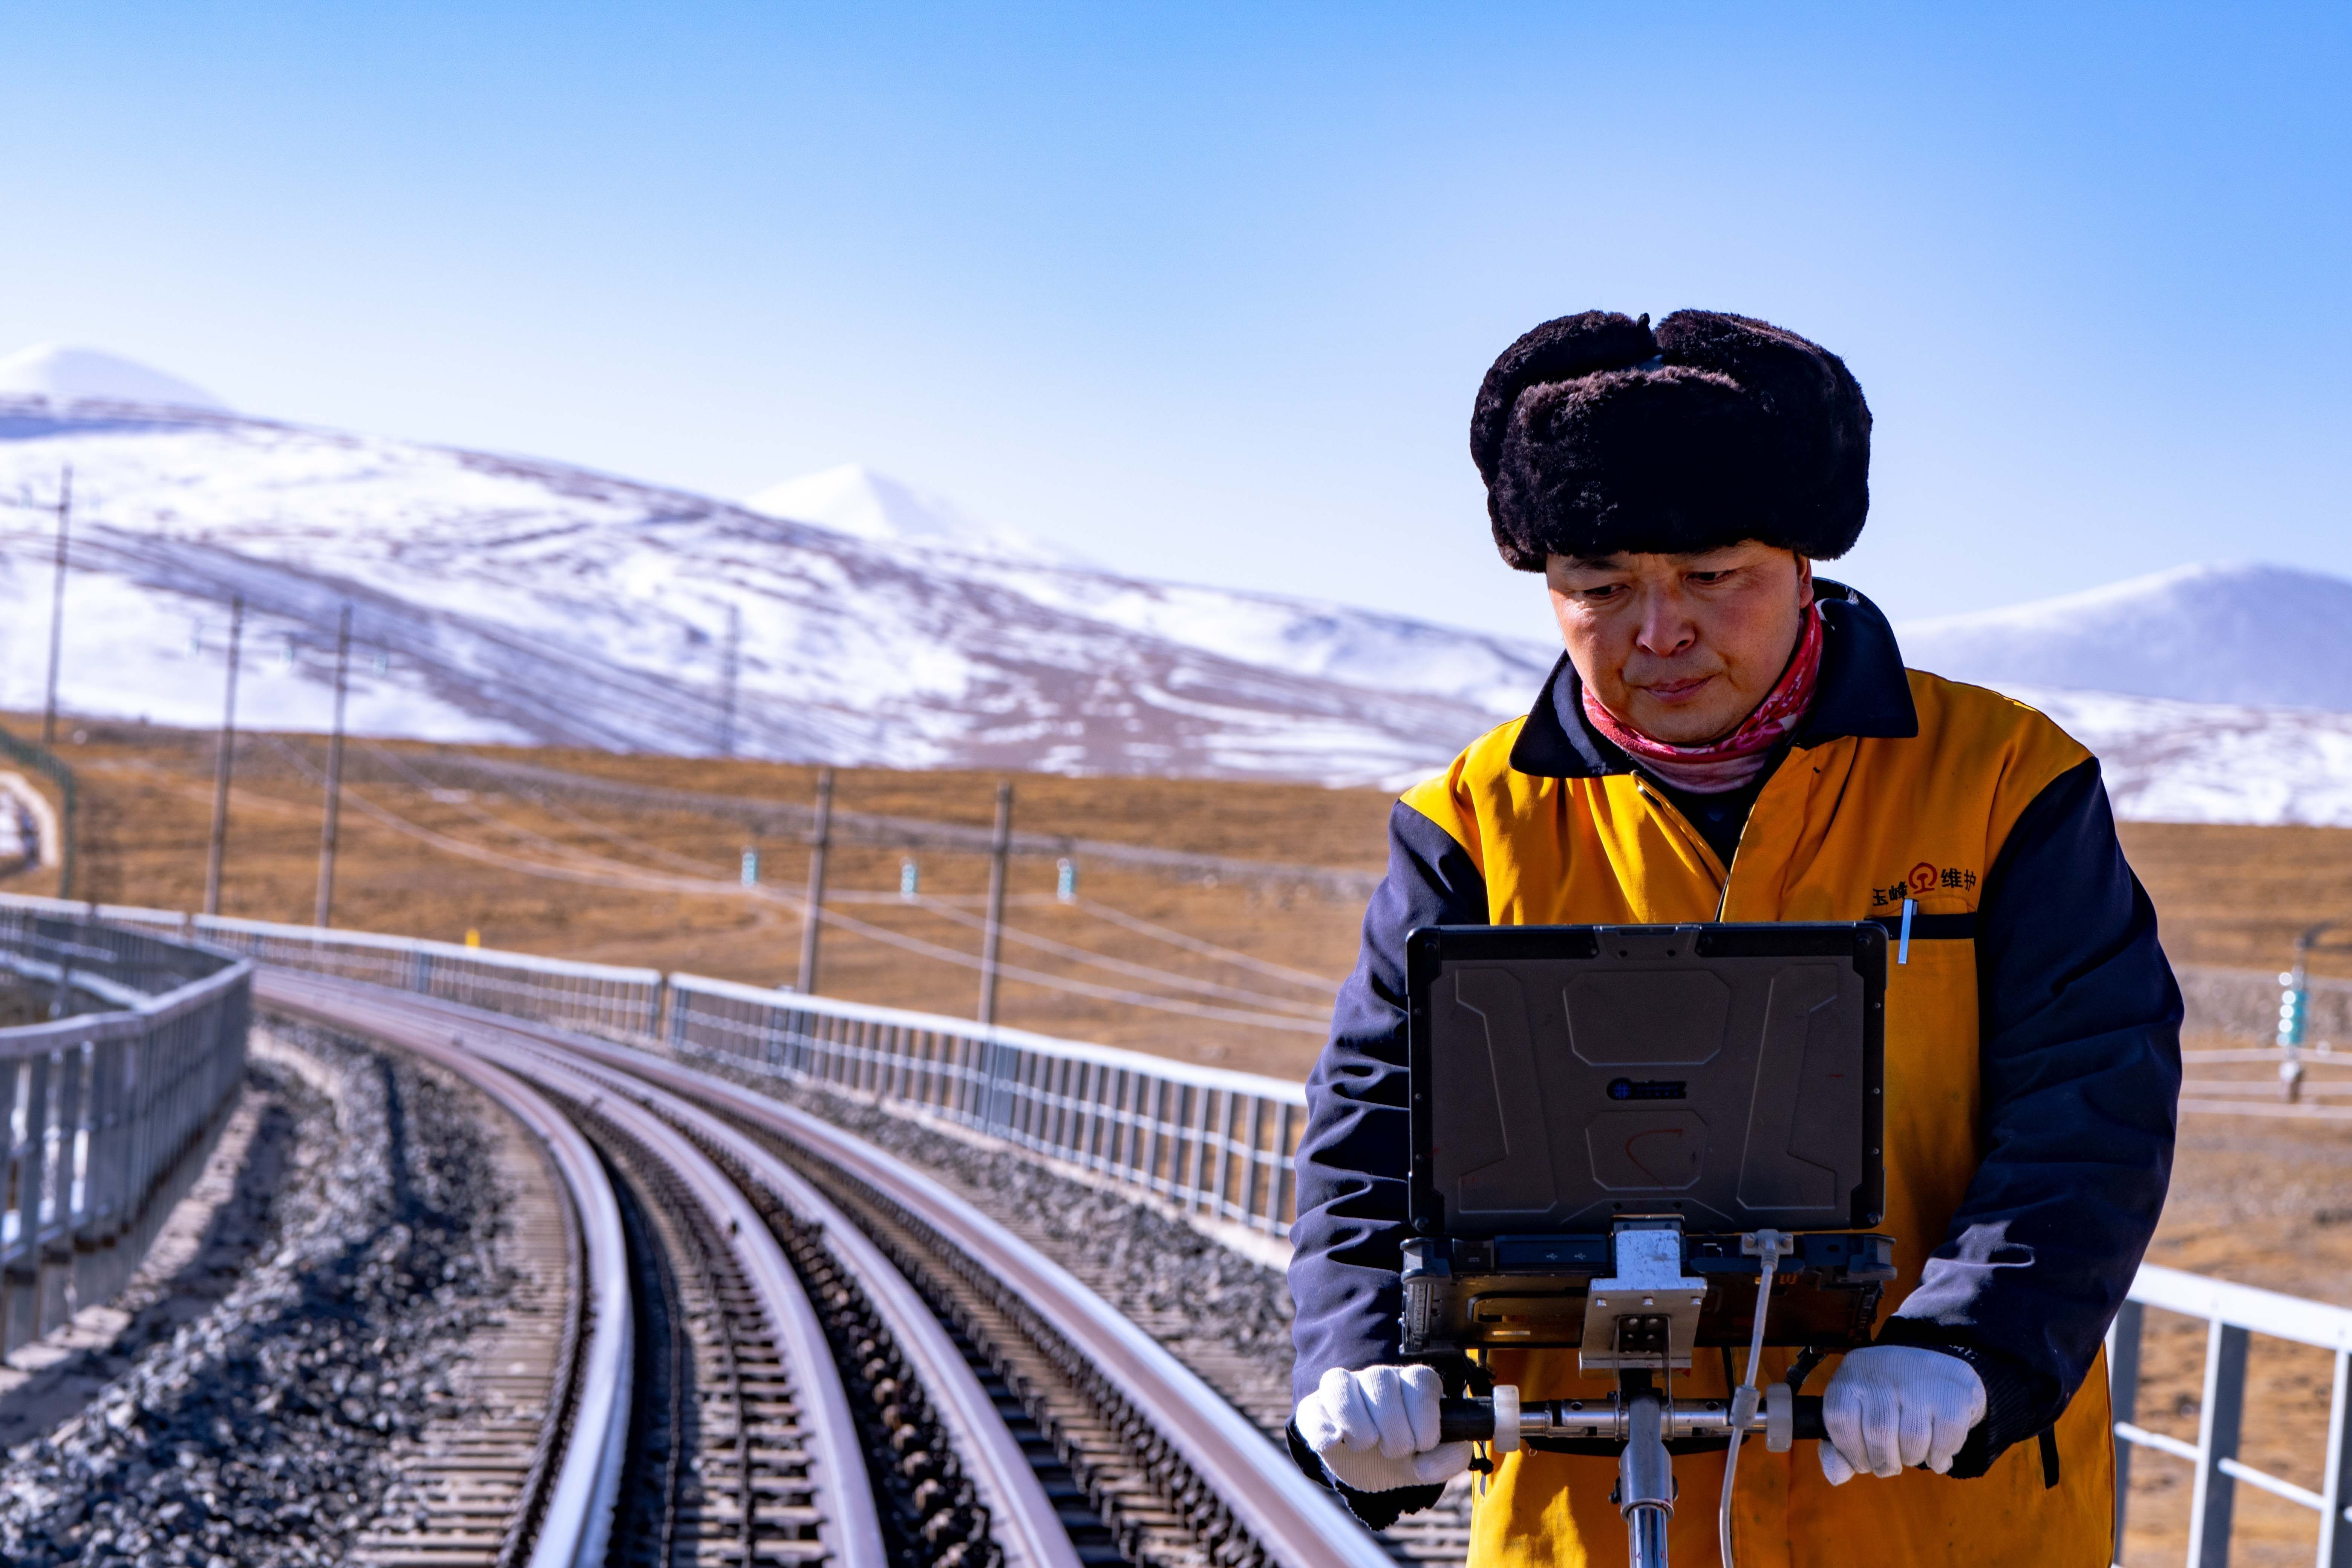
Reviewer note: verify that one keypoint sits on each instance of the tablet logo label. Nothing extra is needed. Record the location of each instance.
(1649, 1088)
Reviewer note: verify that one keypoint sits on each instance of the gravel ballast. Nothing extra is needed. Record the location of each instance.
(1223, 1314)
(264, 1429)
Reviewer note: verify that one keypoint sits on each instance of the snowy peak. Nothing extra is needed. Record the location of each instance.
(854, 620)
(533, 603)
(853, 498)
(2228, 633)
(61, 374)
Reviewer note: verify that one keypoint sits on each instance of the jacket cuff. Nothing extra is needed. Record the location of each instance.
(1378, 1510)
(2017, 1401)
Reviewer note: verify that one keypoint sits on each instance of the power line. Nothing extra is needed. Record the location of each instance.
(334, 774)
(1117, 965)
(728, 675)
(587, 875)
(222, 764)
(992, 941)
(1206, 949)
(57, 606)
(819, 842)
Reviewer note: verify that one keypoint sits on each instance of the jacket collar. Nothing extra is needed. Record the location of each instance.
(1863, 692)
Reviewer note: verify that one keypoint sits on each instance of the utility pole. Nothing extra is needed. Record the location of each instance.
(221, 764)
(727, 680)
(994, 940)
(819, 842)
(334, 774)
(57, 606)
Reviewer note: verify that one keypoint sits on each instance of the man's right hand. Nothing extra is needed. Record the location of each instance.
(1376, 1430)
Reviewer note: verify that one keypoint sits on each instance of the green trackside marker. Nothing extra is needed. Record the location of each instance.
(2294, 1002)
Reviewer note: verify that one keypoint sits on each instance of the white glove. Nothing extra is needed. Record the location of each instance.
(1376, 1430)
(1893, 1406)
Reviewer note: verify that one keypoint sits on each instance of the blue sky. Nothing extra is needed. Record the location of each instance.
(1205, 291)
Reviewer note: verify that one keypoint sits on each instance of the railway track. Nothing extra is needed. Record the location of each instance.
(519, 1486)
(833, 1356)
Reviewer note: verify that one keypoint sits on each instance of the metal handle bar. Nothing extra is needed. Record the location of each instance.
(1783, 1417)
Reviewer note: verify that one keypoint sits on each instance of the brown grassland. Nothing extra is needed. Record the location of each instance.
(2268, 1203)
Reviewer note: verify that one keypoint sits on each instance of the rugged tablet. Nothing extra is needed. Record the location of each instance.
(1572, 1086)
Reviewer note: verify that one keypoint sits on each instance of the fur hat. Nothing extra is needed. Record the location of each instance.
(1596, 434)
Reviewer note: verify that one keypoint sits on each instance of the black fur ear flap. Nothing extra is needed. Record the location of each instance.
(1567, 349)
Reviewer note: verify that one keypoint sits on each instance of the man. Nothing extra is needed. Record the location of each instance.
(1729, 738)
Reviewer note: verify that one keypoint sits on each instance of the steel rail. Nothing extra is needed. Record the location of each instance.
(1023, 1521)
(849, 1526)
(1294, 1521)
(571, 1519)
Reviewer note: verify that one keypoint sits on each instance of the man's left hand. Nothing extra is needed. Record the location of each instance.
(1893, 1406)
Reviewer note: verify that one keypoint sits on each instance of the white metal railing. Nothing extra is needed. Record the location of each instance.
(2232, 1313)
(605, 997)
(101, 1112)
(1213, 1142)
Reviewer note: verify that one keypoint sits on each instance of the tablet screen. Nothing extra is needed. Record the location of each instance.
(1564, 1076)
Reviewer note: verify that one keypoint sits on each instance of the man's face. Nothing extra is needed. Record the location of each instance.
(1682, 648)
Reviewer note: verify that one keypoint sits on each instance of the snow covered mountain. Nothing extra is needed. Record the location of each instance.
(2209, 762)
(501, 599)
(2213, 693)
(61, 375)
(1333, 642)
(2230, 634)
(854, 498)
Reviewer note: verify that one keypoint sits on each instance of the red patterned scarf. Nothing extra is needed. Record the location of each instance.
(1728, 763)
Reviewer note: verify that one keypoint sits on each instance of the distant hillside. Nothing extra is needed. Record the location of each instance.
(2211, 762)
(2245, 635)
(62, 375)
(502, 599)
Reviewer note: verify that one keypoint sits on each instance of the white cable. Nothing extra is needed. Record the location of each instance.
(1769, 1245)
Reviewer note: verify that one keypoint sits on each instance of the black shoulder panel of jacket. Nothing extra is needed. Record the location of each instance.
(1353, 1158)
(2080, 1025)
(1378, 1510)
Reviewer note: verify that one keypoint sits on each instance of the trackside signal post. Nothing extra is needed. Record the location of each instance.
(2294, 1007)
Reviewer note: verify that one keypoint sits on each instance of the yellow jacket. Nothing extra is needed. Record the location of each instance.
(2032, 1069)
